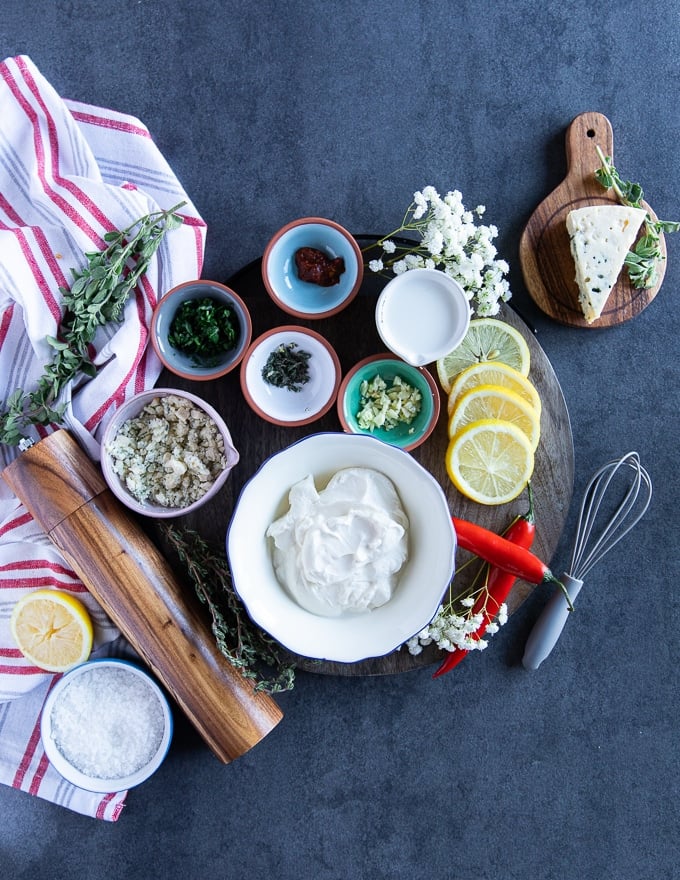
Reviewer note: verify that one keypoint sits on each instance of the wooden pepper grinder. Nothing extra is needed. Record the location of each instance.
(66, 494)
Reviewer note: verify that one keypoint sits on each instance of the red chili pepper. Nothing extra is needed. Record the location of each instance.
(502, 553)
(499, 583)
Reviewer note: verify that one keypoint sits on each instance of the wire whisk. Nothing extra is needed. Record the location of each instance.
(634, 505)
(590, 545)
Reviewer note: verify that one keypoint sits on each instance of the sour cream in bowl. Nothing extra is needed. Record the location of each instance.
(365, 549)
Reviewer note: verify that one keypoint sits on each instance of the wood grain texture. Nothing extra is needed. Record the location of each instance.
(545, 256)
(354, 336)
(133, 582)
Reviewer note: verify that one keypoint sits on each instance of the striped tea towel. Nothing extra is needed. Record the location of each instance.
(69, 173)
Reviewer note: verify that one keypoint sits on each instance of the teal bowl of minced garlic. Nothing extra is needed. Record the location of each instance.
(389, 399)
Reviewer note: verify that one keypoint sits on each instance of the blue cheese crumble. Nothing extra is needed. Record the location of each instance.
(170, 454)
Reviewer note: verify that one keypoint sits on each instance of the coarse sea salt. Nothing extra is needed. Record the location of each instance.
(107, 723)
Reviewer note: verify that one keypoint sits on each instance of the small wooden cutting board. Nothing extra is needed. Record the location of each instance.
(547, 262)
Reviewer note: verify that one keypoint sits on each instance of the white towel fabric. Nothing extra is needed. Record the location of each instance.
(69, 173)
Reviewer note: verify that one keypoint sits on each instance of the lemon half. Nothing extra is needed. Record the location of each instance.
(52, 629)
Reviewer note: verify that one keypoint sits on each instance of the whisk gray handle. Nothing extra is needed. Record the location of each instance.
(547, 629)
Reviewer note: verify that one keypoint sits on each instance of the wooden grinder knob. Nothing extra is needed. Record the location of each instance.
(66, 494)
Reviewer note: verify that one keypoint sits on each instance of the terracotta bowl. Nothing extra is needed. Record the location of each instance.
(305, 299)
(282, 406)
(183, 364)
(407, 436)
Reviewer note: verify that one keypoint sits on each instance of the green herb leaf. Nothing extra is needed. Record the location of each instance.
(642, 262)
(98, 295)
(205, 329)
(287, 367)
(247, 647)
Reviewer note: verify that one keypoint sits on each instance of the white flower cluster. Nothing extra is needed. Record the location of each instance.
(450, 241)
(451, 631)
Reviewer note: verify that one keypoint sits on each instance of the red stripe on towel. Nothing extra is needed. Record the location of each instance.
(115, 124)
(51, 150)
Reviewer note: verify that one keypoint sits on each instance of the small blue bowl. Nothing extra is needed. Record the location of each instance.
(182, 364)
(303, 298)
(389, 366)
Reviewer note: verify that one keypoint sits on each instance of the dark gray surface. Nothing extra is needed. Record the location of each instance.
(273, 110)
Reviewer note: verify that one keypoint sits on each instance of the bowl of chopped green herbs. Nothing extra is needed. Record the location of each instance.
(389, 399)
(200, 330)
(290, 376)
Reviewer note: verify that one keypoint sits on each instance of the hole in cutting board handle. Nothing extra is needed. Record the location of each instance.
(591, 132)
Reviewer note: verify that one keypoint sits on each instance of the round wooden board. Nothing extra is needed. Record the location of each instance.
(354, 336)
(545, 255)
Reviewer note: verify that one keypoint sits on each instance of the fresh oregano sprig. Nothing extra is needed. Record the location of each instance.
(247, 647)
(97, 296)
(643, 260)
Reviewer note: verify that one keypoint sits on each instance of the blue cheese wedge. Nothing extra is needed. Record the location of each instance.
(600, 236)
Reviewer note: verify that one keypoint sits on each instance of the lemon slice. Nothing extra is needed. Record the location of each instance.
(490, 461)
(487, 340)
(496, 402)
(52, 629)
(494, 374)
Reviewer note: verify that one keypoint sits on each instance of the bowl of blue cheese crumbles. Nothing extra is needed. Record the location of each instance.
(166, 452)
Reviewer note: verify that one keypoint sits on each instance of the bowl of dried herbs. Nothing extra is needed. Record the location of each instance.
(200, 330)
(290, 375)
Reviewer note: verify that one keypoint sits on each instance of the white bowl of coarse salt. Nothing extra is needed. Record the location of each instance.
(106, 726)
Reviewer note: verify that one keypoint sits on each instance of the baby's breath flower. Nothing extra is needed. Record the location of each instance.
(448, 239)
(458, 626)
(414, 646)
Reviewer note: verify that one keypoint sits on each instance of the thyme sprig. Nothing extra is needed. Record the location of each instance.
(97, 296)
(247, 647)
(642, 261)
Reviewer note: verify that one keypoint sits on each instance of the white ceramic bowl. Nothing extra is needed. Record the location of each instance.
(422, 582)
(281, 406)
(65, 719)
(129, 410)
(422, 315)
